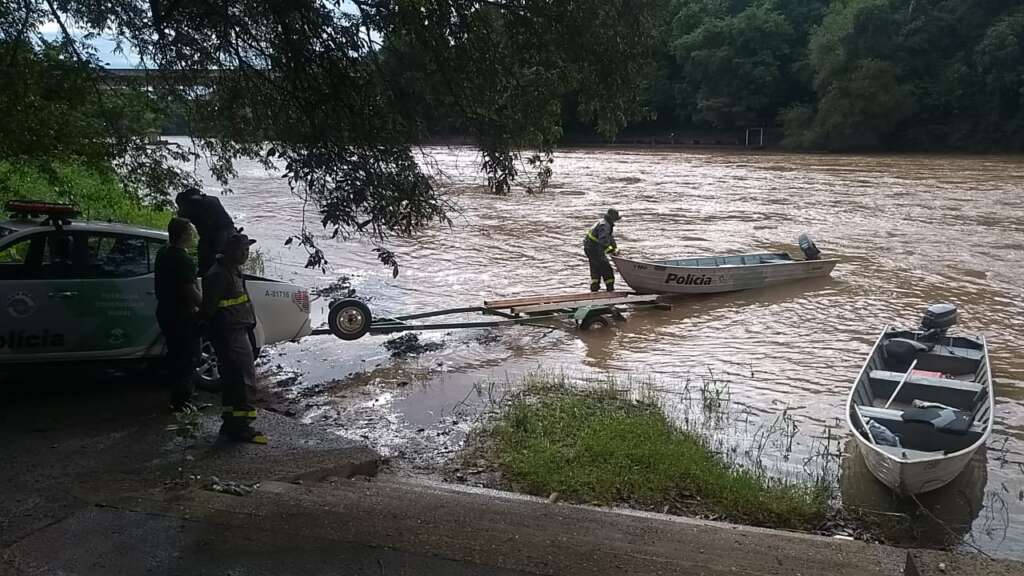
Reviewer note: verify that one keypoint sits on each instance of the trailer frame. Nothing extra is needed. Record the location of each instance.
(351, 319)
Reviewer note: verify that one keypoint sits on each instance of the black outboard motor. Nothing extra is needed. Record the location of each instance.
(937, 320)
(807, 246)
(900, 352)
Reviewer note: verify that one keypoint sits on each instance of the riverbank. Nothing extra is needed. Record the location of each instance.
(98, 195)
(95, 482)
(598, 446)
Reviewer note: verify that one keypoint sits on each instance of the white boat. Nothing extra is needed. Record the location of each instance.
(922, 404)
(710, 274)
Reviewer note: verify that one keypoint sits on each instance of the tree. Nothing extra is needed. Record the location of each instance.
(861, 93)
(734, 64)
(336, 93)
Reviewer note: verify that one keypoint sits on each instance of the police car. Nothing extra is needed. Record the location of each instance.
(73, 290)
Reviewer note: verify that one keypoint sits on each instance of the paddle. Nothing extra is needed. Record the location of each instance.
(902, 382)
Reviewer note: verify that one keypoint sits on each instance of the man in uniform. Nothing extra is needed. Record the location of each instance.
(177, 299)
(211, 221)
(229, 312)
(599, 243)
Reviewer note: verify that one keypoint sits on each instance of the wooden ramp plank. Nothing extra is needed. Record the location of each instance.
(551, 299)
(606, 301)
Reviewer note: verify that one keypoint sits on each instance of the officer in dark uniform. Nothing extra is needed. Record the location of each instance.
(211, 221)
(599, 243)
(228, 309)
(177, 299)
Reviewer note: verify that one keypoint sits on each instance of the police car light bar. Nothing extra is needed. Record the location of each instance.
(33, 208)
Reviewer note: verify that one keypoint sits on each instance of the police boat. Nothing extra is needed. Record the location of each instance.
(710, 274)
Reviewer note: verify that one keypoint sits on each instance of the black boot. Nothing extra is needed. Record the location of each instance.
(238, 431)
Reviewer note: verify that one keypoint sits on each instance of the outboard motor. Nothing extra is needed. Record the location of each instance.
(938, 318)
(900, 352)
(807, 246)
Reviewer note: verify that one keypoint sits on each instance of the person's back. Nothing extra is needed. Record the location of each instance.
(177, 298)
(172, 268)
(211, 220)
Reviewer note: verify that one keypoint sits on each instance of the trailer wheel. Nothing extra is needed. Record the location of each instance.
(349, 319)
(597, 322)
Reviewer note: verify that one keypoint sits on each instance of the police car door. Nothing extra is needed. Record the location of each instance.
(36, 287)
(117, 307)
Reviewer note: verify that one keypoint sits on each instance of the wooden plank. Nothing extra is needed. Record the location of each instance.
(551, 299)
(607, 301)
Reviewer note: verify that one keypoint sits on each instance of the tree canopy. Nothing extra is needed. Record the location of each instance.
(333, 93)
(336, 94)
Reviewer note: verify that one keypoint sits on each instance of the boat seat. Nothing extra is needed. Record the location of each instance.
(959, 394)
(943, 419)
(918, 431)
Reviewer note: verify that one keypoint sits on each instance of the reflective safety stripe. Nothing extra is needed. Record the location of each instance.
(609, 249)
(230, 411)
(590, 235)
(233, 301)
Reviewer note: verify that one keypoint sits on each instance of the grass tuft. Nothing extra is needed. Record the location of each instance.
(596, 446)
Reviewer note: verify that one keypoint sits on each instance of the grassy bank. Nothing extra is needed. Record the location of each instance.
(98, 195)
(596, 446)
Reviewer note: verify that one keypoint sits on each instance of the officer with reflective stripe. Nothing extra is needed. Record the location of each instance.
(227, 308)
(599, 243)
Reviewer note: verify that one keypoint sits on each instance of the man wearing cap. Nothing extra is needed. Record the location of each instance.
(211, 221)
(229, 312)
(599, 243)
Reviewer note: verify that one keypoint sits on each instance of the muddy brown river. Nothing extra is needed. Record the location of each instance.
(908, 230)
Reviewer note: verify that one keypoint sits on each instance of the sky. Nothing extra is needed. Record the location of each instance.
(104, 48)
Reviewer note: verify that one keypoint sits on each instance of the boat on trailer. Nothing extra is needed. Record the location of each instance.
(922, 404)
(711, 274)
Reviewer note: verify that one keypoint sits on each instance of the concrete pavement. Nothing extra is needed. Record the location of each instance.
(91, 483)
(388, 526)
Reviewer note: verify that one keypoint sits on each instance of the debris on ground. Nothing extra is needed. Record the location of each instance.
(410, 345)
(488, 338)
(233, 488)
(340, 288)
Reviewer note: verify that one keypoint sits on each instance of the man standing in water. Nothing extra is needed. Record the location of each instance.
(599, 243)
(211, 221)
(226, 306)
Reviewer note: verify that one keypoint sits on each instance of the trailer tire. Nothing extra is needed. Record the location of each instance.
(349, 319)
(596, 322)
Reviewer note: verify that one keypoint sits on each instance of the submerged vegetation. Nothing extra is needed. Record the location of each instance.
(605, 444)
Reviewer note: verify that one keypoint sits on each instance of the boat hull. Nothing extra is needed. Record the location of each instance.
(907, 470)
(913, 477)
(654, 278)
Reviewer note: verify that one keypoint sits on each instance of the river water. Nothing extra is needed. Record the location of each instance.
(908, 231)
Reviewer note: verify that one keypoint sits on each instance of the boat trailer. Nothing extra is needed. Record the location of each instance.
(351, 319)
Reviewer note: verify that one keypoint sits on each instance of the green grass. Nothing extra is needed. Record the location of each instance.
(98, 195)
(599, 447)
